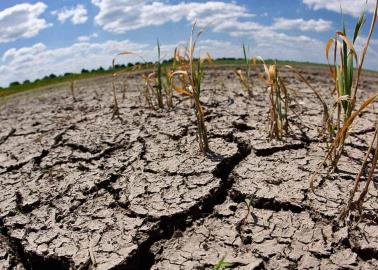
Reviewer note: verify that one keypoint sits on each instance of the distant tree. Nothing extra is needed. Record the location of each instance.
(84, 71)
(119, 66)
(14, 84)
(52, 76)
(100, 69)
(130, 65)
(67, 74)
(26, 82)
(167, 61)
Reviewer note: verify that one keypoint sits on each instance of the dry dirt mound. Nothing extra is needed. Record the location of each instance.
(82, 191)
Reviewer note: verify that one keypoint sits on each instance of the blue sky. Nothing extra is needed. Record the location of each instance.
(41, 37)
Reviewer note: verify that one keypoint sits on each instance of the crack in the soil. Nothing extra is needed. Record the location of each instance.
(5, 137)
(366, 253)
(31, 260)
(38, 158)
(143, 258)
(268, 151)
(267, 203)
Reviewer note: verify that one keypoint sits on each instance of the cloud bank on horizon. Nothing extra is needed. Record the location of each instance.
(43, 37)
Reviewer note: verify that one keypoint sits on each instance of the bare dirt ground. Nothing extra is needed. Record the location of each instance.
(81, 191)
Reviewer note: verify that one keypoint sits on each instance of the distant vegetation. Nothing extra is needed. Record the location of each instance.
(51, 79)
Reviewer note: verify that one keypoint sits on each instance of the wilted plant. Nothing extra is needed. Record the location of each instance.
(159, 79)
(279, 102)
(115, 74)
(148, 88)
(346, 71)
(168, 88)
(190, 74)
(346, 88)
(168, 79)
(222, 264)
(115, 102)
(72, 89)
(158, 83)
(124, 88)
(357, 204)
(245, 75)
(248, 204)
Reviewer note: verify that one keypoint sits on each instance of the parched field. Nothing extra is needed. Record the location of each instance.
(80, 190)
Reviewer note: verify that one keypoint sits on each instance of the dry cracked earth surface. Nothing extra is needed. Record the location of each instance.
(79, 190)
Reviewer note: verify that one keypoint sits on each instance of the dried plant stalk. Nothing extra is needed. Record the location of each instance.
(72, 89)
(115, 102)
(190, 75)
(357, 204)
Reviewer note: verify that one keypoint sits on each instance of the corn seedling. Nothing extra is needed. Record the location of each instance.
(168, 89)
(157, 83)
(190, 75)
(168, 80)
(222, 264)
(343, 74)
(72, 89)
(148, 88)
(248, 204)
(279, 102)
(245, 75)
(346, 72)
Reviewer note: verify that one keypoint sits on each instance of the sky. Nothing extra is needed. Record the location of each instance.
(41, 37)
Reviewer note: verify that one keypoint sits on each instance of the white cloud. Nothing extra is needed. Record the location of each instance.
(216, 48)
(23, 54)
(120, 16)
(87, 38)
(319, 25)
(22, 21)
(76, 15)
(37, 61)
(351, 7)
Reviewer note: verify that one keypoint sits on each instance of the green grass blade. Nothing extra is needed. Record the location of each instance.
(361, 21)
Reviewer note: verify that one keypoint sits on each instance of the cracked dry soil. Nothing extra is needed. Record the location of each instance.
(82, 191)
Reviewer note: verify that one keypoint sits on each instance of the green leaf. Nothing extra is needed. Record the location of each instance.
(222, 264)
(361, 21)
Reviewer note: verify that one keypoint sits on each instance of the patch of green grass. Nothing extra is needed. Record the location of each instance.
(222, 264)
(51, 81)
